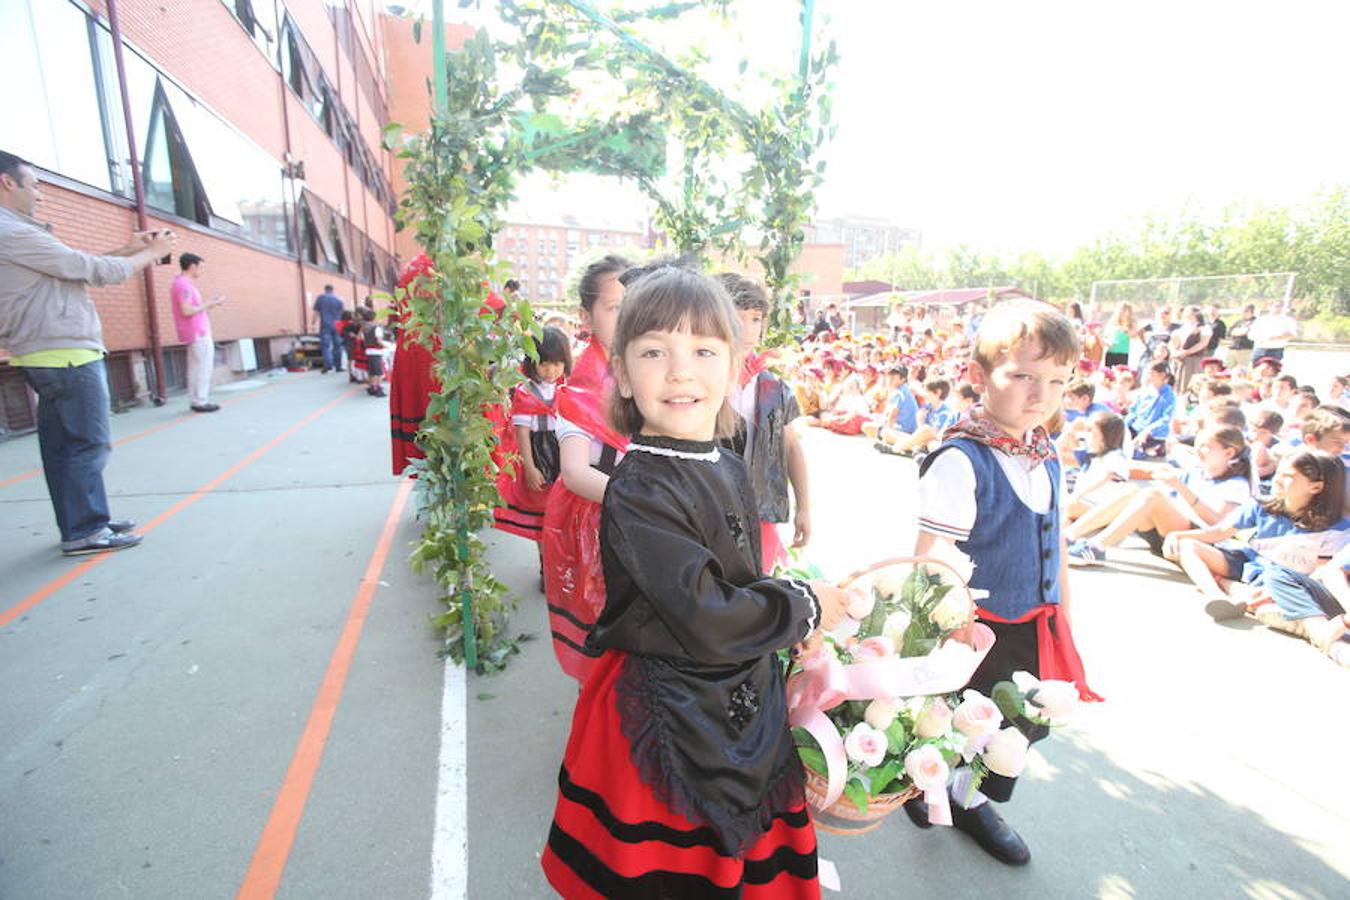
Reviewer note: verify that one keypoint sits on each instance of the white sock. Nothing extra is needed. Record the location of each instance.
(961, 789)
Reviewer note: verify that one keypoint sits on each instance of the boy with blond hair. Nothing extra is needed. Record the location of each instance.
(993, 489)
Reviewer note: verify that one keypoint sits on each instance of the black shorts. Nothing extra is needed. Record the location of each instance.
(374, 364)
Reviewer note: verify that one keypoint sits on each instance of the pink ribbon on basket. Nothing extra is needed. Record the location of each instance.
(824, 682)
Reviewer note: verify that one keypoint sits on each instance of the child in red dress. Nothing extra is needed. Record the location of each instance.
(680, 777)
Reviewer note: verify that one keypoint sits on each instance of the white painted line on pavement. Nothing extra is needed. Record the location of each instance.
(450, 846)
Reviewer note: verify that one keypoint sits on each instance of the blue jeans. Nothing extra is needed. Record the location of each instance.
(75, 442)
(330, 345)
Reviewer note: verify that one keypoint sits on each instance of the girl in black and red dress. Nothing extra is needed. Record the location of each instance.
(588, 450)
(524, 486)
(680, 778)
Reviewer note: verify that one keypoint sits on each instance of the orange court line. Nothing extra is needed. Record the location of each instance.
(137, 436)
(51, 587)
(278, 835)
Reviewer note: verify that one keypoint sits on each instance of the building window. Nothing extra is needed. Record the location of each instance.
(259, 18)
(170, 179)
(53, 115)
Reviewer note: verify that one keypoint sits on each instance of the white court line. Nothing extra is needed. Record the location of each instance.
(450, 845)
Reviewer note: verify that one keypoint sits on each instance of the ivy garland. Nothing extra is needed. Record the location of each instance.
(461, 174)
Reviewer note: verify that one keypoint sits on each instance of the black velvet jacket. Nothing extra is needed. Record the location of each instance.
(701, 695)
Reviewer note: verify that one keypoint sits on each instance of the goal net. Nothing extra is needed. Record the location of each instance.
(1228, 292)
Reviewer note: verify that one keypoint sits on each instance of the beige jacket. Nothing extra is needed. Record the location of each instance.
(44, 301)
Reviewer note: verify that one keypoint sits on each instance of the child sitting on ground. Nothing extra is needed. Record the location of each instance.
(1291, 528)
(1175, 501)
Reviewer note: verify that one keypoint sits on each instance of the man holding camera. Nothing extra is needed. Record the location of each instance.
(49, 325)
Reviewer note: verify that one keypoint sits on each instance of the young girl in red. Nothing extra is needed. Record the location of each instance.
(524, 486)
(680, 778)
(588, 450)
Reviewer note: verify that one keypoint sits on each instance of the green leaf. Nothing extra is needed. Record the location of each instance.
(883, 775)
(897, 737)
(856, 791)
(813, 759)
(1008, 697)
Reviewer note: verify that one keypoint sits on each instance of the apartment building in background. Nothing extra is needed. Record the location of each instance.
(864, 238)
(542, 257)
(257, 129)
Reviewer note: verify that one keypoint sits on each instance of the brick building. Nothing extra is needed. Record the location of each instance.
(257, 126)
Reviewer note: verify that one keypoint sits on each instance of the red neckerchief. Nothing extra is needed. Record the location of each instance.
(591, 370)
(977, 426)
(525, 403)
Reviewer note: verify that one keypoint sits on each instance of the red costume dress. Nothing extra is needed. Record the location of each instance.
(573, 582)
(522, 509)
(680, 778)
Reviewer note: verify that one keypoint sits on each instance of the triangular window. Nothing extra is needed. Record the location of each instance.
(171, 180)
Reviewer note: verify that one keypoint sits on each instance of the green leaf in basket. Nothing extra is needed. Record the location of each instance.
(856, 792)
(897, 738)
(876, 620)
(1008, 697)
(913, 587)
(883, 775)
(814, 759)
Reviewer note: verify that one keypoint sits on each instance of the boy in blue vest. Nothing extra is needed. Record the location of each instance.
(993, 489)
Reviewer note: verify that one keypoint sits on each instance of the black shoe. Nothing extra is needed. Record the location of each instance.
(205, 407)
(121, 526)
(917, 810)
(883, 447)
(995, 836)
(324, 371)
(105, 544)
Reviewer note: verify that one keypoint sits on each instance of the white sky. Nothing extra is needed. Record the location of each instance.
(1039, 124)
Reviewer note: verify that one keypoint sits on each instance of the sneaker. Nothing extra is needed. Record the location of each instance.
(205, 407)
(1085, 553)
(121, 526)
(883, 447)
(104, 543)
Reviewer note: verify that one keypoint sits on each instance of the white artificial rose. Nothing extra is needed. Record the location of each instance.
(890, 582)
(1006, 753)
(866, 745)
(935, 720)
(953, 611)
(1058, 700)
(881, 713)
(895, 626)
(977, 715)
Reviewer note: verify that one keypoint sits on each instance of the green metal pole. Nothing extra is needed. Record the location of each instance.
(442, 88)
(808, 11)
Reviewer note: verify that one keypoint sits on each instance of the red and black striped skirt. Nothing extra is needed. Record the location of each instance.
(574, 581)
(611, 837)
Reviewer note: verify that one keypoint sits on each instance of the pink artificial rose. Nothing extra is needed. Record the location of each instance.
(935, 719)
(881, 713)
(873, 648)
(926, 768)
(1006, 753)
(865, 745)
(860, 601)
(977, 715)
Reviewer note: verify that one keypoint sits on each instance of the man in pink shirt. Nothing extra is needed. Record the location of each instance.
(194, 329)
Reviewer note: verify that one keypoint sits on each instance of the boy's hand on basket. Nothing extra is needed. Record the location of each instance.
(833, 604)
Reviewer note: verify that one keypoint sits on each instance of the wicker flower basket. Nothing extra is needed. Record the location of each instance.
(843, 817)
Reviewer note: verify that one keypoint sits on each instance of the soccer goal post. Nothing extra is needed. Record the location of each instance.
(1228, 292)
